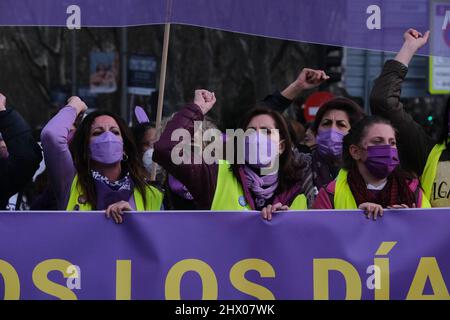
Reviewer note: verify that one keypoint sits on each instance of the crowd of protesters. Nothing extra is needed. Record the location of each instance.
(344, 159)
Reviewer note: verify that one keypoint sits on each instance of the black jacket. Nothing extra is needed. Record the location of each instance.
(414, 144)
(24, 155)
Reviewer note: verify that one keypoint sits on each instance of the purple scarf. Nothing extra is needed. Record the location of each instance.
(262, 187)
(111, 192)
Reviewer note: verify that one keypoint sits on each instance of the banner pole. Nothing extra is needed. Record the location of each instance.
(162, 82)
(123, 73)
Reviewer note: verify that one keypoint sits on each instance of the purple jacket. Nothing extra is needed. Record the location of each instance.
(201, 179)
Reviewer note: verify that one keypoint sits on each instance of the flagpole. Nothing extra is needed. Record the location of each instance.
(162, 82)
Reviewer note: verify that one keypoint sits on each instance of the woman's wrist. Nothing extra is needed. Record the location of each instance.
(406, 53)
(292, 91)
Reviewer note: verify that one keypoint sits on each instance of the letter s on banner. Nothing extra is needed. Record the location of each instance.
(237, 277)
(41, 281)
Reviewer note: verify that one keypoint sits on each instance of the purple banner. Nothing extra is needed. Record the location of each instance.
(211, 255)
(98, 13)
(368, 24)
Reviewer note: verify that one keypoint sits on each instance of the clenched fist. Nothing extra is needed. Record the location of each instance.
(310, 78)
(414, 39)
(205, 100)
(307, 79)
(77, 103)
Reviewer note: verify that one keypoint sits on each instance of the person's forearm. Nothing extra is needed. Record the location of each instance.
(57, 155)
(405, 54)
(292, 91)
(184, 119)
(277, 102)
(57, 129)
(414, 143)
(200, 179)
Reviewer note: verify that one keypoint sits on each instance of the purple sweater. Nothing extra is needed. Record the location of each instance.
(201, 179)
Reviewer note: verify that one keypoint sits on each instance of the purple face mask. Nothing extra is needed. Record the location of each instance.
(107, 148)
(381, 160)
(179, 189)
(260, 151)
(329, 143)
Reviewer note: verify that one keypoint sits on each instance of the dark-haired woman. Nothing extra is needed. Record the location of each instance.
(420, 153)
(370, 178)
(102, 169)
(333, 120)
(332, 123)
(226, 186)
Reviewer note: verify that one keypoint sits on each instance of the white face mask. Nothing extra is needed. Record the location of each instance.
(147, 159)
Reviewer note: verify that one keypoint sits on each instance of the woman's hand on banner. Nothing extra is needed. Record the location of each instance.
(268, 211)
(116, 211)
(401, 206)
(372, 210)
(205, 100)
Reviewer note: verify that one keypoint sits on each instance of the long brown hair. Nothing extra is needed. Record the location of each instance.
(290, 171)
(79, 148)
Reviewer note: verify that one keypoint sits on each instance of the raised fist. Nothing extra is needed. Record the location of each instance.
(310, 78)
(77, 103)
(414, 39)
(205, 100)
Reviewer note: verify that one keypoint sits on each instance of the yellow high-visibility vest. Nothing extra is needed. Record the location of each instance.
(343, 196)
(430, 170)
(153, 196)
(229, 194)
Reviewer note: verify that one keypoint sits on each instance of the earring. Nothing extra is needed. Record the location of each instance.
(125, 157)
